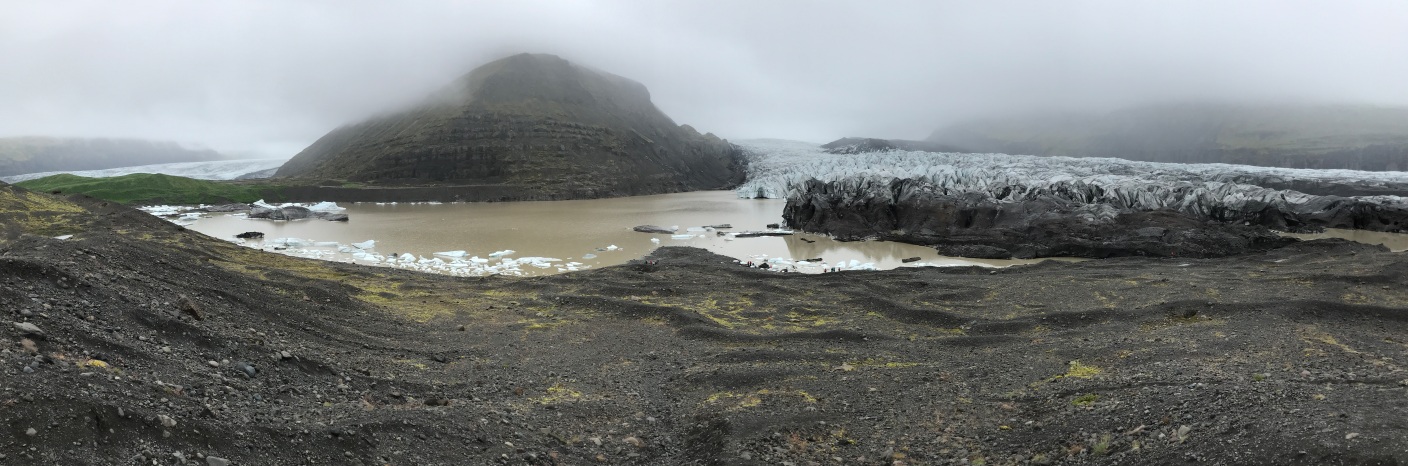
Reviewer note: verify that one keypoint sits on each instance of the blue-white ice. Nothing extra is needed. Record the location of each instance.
(216, 170)
(779, 169)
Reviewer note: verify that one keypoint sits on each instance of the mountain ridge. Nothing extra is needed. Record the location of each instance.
(34, 154)
(528, 120)
(1292, 136)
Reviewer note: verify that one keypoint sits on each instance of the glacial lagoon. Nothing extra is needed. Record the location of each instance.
(558, 236)
(539, 238)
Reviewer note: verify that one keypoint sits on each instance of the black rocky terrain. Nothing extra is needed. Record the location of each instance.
(135, 341)
(1063, 221)
(535, 125)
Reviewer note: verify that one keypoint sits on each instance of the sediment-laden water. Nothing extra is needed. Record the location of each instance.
(578, 234)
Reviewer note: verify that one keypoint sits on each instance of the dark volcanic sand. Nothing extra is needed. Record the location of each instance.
(1293, 356)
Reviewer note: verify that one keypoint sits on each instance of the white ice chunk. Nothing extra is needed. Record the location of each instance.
(326, 207)
(455, 253)
(288, 242)
(502, 253)
(368, 244)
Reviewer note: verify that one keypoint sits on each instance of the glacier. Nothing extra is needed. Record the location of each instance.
(213, 170)
(778, 169)
(1000, 205)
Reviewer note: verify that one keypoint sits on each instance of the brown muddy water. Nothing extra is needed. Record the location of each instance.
(1396, 242)
(576, 234)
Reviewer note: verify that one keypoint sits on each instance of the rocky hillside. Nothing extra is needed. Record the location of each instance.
(21, 155)
(1348, 137)
(534, 122)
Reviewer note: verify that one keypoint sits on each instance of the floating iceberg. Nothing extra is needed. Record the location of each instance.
(326, 207)
(368, 244)
(457, 253)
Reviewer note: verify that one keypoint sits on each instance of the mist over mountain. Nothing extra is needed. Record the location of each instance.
(528, 120)
(1287, 135)
(21, 155)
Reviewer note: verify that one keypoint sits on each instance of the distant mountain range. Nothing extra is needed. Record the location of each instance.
(528, 122)
(213, 170)
(21, 155)
(1292, 136)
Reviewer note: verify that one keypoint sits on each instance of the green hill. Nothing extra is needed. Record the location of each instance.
(153, 188)
(533, 122)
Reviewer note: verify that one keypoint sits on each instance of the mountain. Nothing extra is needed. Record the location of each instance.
(1293, 136)
(21, 155)
(854, 145)
(528, 121)
(213, 170)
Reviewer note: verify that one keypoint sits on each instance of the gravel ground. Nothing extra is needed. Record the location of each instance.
(138, 342)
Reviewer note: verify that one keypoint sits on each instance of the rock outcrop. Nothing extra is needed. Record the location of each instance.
(534, 123)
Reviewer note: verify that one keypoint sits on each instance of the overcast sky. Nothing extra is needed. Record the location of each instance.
(270, 77)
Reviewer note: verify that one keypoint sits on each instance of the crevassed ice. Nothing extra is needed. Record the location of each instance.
(780, 169)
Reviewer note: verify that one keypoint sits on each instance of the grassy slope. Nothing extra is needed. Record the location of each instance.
(146, 187)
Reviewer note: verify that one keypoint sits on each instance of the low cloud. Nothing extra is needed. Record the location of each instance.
(269, 77)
